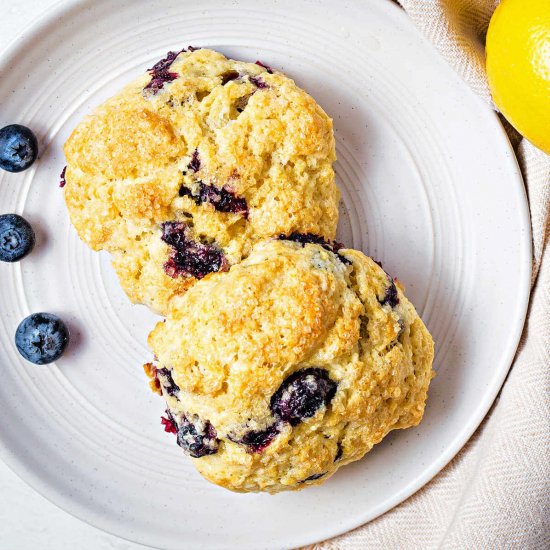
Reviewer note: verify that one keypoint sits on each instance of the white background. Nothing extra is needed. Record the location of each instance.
(27, 520)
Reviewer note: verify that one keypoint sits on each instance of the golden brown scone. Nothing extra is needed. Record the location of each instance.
(223, 153)
(295, 362)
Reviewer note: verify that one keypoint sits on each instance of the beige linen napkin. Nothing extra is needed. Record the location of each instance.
(496, 492)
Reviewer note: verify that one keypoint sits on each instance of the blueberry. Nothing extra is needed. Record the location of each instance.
(62, 180)
(223, 200)
(258, 440)
(165, 63)
(18, 148)
(258, 82)
(310, 238)
(16, 237)
(160, 74)
(189, 257)
(195, 162)
(166, 381)
(41, 338)
(313, 477)
(197, 438)
(302, 394)
(391, 297)
(169, 423)
(266, 67)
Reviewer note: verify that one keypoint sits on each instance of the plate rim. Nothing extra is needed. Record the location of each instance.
(62, 8)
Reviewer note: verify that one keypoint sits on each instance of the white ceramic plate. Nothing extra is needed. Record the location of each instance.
(430, 187)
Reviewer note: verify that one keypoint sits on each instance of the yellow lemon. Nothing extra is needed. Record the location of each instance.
(518, 66)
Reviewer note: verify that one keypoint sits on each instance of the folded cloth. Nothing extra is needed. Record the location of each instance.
(496, 491)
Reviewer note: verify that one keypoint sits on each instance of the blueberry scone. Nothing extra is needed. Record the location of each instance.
(292, 364)
(179, 174)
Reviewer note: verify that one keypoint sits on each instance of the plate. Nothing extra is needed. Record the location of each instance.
(430, 187)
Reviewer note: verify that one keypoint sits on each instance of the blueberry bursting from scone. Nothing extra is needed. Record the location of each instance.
(289, 365)
(299, 397)
(191, 164)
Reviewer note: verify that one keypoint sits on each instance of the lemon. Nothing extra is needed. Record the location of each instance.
(518, 66)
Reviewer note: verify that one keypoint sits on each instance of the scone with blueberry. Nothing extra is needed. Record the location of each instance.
(180, 173)
(292, 364)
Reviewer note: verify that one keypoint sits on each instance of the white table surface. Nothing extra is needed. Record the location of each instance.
(27, 520)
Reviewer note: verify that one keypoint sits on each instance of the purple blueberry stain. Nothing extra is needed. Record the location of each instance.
(195, 162)
(166, 381)
(169, 423)
(158, 81)
(313, 477)
(258, 440)
(266, 67)
(62, 181)
(160, 74)
(310, 238)
(339, 452)
(302, 394)
(197, 437)
(223, 200)
(190, 257)
(165, 63)
(391, 296)
(258, 82)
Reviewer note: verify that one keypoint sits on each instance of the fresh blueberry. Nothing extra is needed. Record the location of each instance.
(18, 148)
(41, 338)
(16, 237)
(197, 438)
(302, 394)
